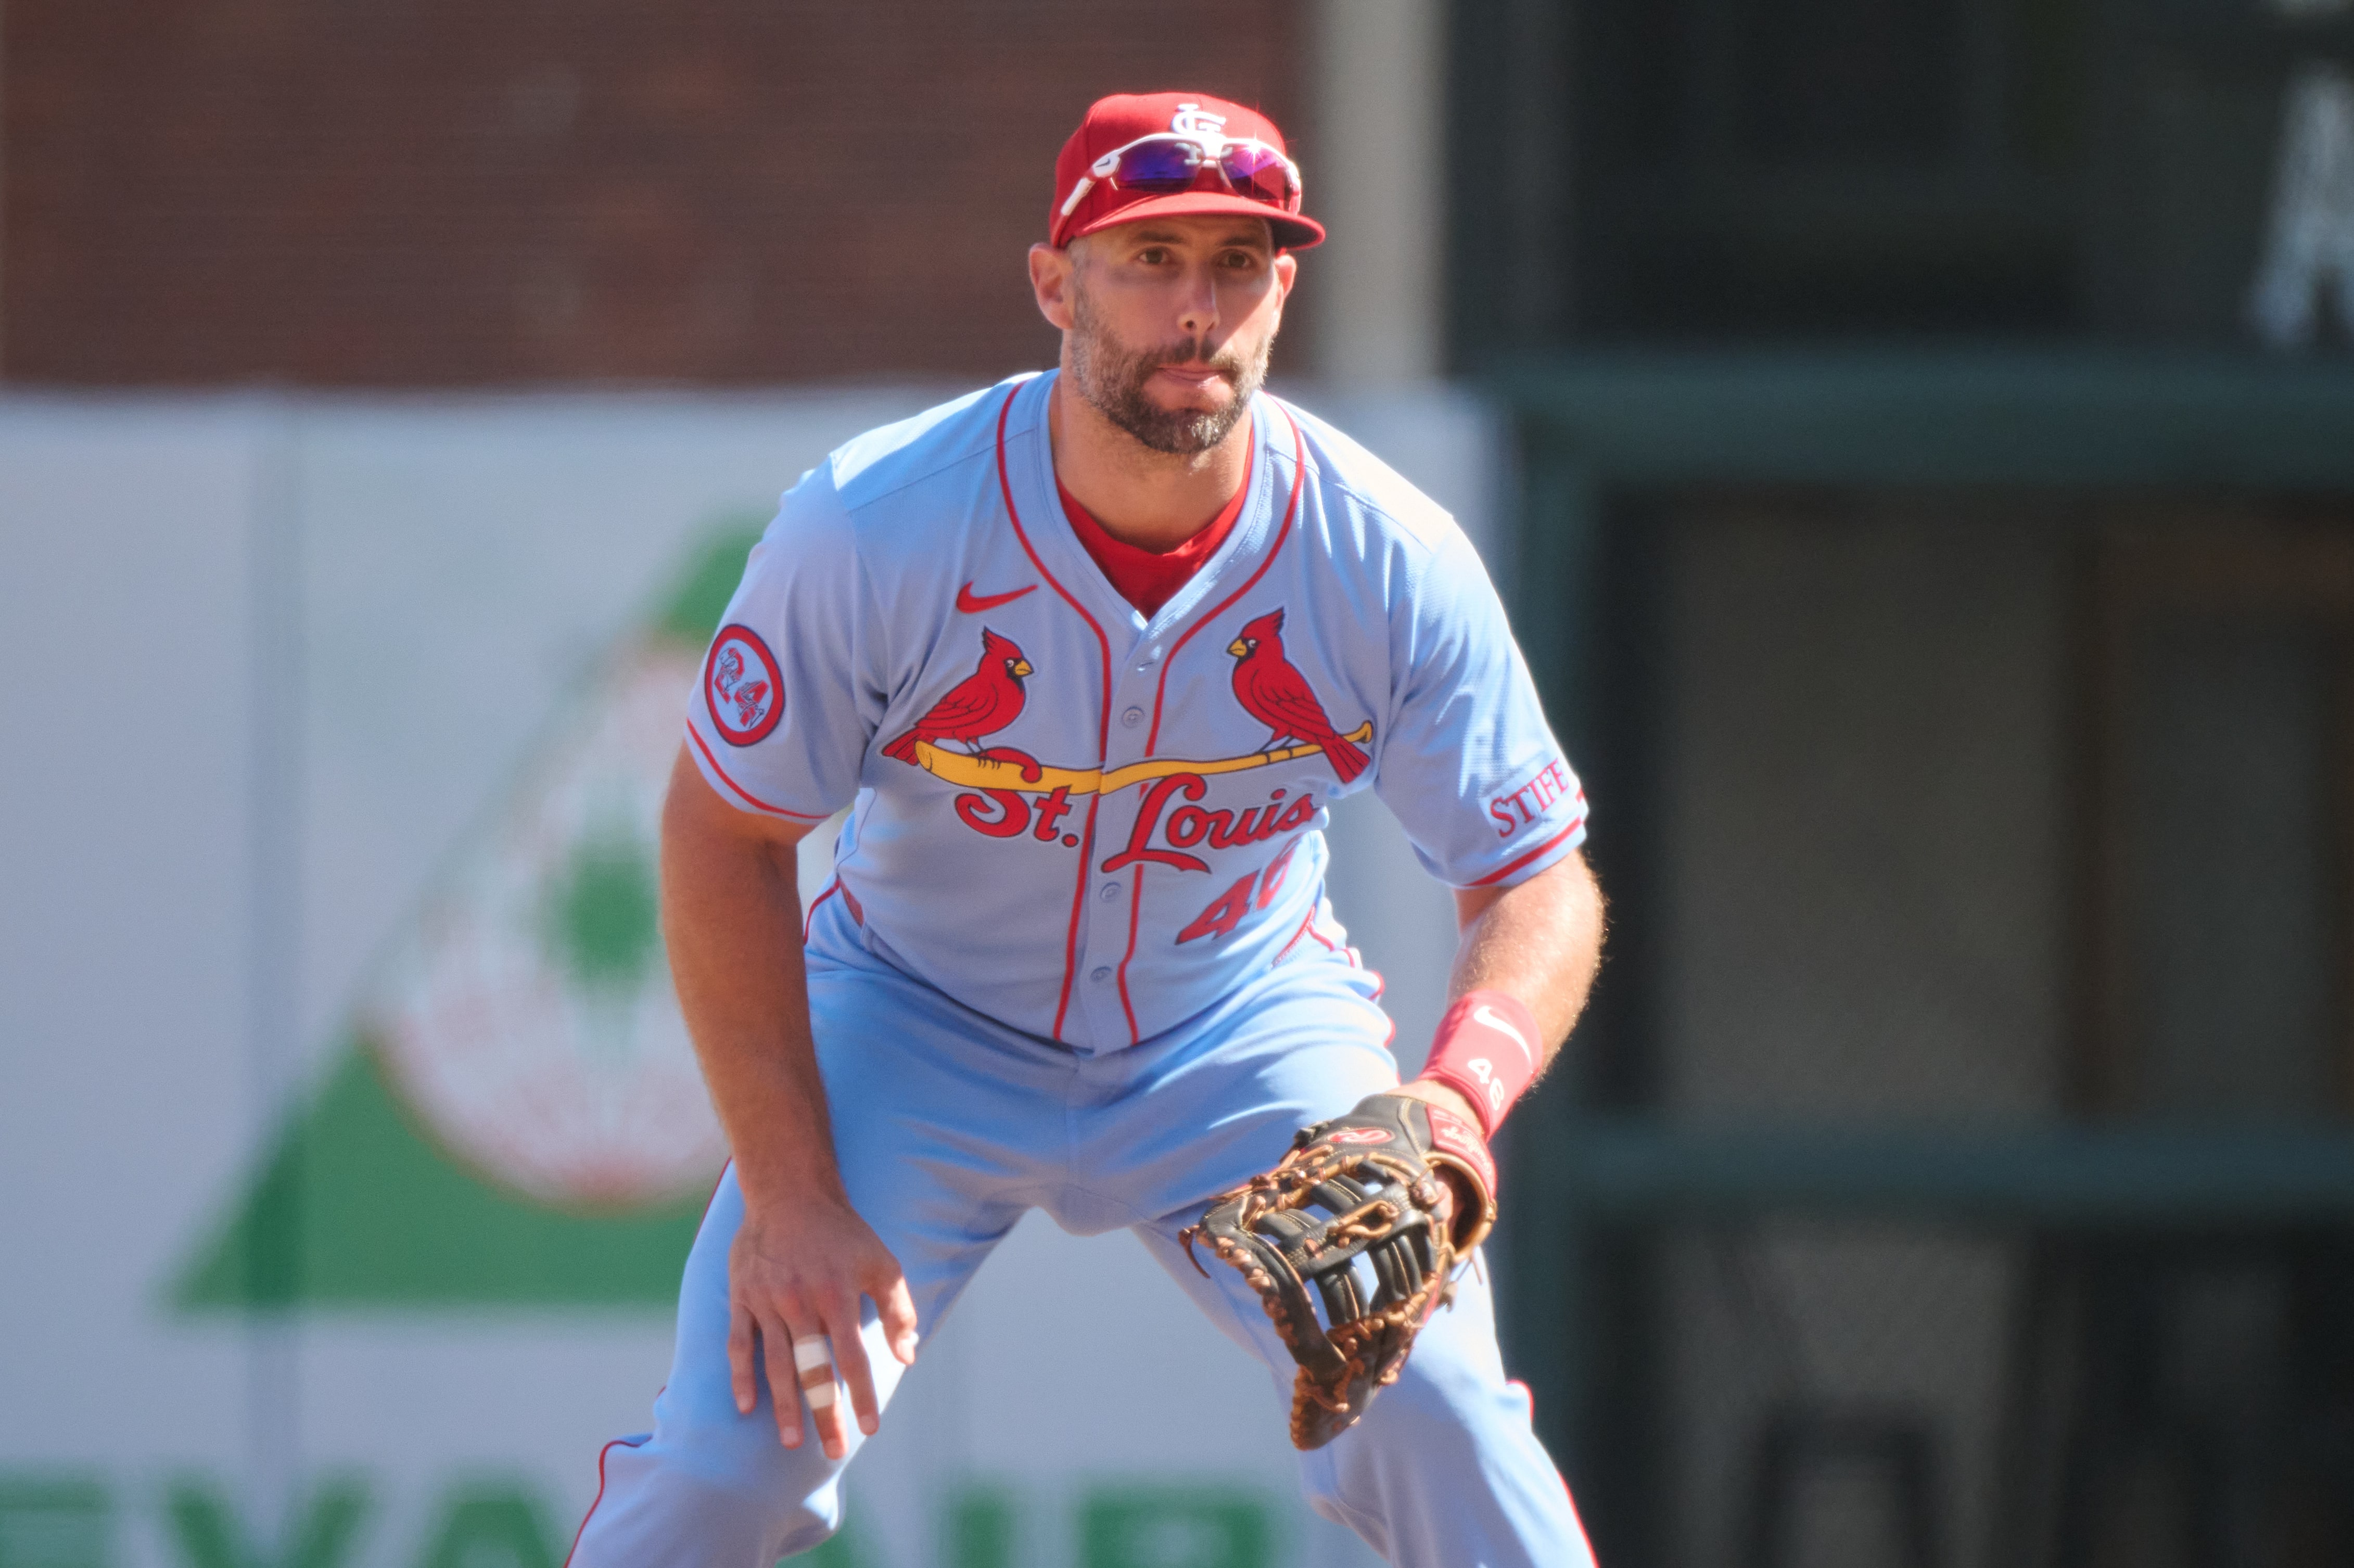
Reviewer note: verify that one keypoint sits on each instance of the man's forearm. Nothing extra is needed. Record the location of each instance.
(731, 918)
(1540, 941)
(803, 1259)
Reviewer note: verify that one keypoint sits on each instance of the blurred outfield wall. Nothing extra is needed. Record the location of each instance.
(349, 1142)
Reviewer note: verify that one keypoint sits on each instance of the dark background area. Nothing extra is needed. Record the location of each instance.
(1699, 171)
(1943, 582)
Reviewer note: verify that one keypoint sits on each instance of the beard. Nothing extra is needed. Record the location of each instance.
(1111, 377)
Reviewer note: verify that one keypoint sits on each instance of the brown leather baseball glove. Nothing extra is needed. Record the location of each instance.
(1354, 1211)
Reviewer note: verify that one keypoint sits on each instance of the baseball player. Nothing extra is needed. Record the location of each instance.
(1090, 655)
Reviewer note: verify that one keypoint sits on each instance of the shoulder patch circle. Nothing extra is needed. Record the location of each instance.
(741, 686)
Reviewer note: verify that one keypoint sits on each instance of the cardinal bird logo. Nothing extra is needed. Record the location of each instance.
(982, 703)
(1272, 692)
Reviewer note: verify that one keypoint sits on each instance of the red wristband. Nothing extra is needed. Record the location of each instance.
(1486, 1050)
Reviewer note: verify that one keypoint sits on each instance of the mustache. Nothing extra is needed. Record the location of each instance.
(1187, 354)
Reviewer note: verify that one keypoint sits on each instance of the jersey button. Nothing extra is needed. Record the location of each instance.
(1132, 717)
(1101, 976)
(1108, 892)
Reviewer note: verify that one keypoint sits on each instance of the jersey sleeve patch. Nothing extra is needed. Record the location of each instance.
(1526, 803)
(1472, 770)
(1550, 850)
(742, 686)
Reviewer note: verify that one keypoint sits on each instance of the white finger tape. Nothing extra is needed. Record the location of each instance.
(811, 1352)
(822, 1397)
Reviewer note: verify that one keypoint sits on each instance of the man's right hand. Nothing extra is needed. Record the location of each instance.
(802, 1258)
(797, 1274)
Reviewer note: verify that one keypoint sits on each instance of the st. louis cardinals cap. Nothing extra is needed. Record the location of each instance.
(1115, 122)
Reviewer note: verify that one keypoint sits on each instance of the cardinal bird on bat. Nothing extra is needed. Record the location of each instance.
(982, 703)
(1277, 694)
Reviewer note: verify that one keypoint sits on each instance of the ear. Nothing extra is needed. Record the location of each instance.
(1050, 281)
(1285, 271)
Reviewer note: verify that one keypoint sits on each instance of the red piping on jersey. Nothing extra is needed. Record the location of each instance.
(1134, 916)
(616, 1443)
(1285, 951)
(749, 799)
(1331, 946)
(1103, 721)
(809, 921)
(1161, 691)
(1356, 959)
(1505, 871)
(1308, 929)
(1291, 510)
(717, 1182)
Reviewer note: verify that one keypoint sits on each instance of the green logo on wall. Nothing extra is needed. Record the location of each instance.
(516, 1116)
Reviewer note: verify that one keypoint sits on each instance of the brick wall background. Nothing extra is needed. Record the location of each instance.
(442, 192)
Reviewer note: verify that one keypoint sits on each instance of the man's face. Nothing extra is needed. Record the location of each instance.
(1168, 324)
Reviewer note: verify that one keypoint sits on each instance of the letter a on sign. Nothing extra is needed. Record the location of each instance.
(2311, 240)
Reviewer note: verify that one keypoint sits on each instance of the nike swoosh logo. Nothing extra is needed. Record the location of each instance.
(1496, 1021)
(973, 603)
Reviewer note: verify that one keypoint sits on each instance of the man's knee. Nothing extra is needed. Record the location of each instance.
(723, 1502)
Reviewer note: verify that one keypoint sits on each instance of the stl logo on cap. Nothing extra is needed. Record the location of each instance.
(740, 683)
(1193, 119)
(1176, 155)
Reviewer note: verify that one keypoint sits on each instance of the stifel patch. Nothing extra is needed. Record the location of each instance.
(1518, 808)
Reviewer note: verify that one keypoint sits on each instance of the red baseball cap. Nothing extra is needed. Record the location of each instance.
(1113, 123)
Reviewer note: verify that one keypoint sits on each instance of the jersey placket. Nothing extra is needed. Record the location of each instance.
(1112, 916)
(1220, 594)
(1145, 694)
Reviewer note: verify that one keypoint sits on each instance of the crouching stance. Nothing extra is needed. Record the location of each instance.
(1090, 655)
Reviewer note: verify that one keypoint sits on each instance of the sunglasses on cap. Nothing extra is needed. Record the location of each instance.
(1165, 162)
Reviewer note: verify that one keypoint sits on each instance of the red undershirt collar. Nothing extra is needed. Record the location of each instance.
(1150, 578)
